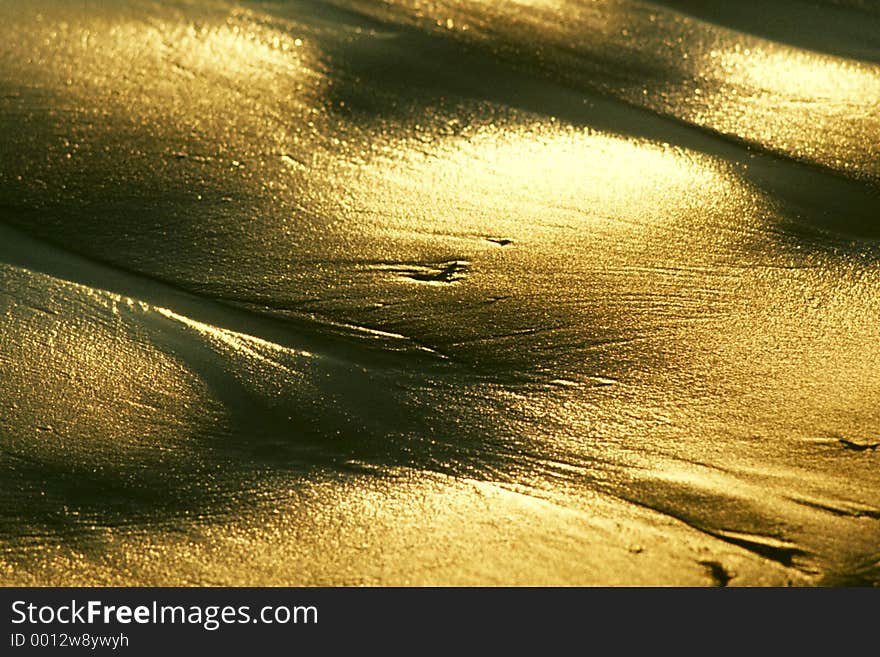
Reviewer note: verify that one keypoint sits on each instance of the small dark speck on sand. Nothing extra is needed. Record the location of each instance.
(501, 241)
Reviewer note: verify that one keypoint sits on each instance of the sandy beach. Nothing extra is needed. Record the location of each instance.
(539, 292)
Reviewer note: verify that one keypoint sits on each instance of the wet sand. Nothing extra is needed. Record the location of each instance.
(459, 293)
